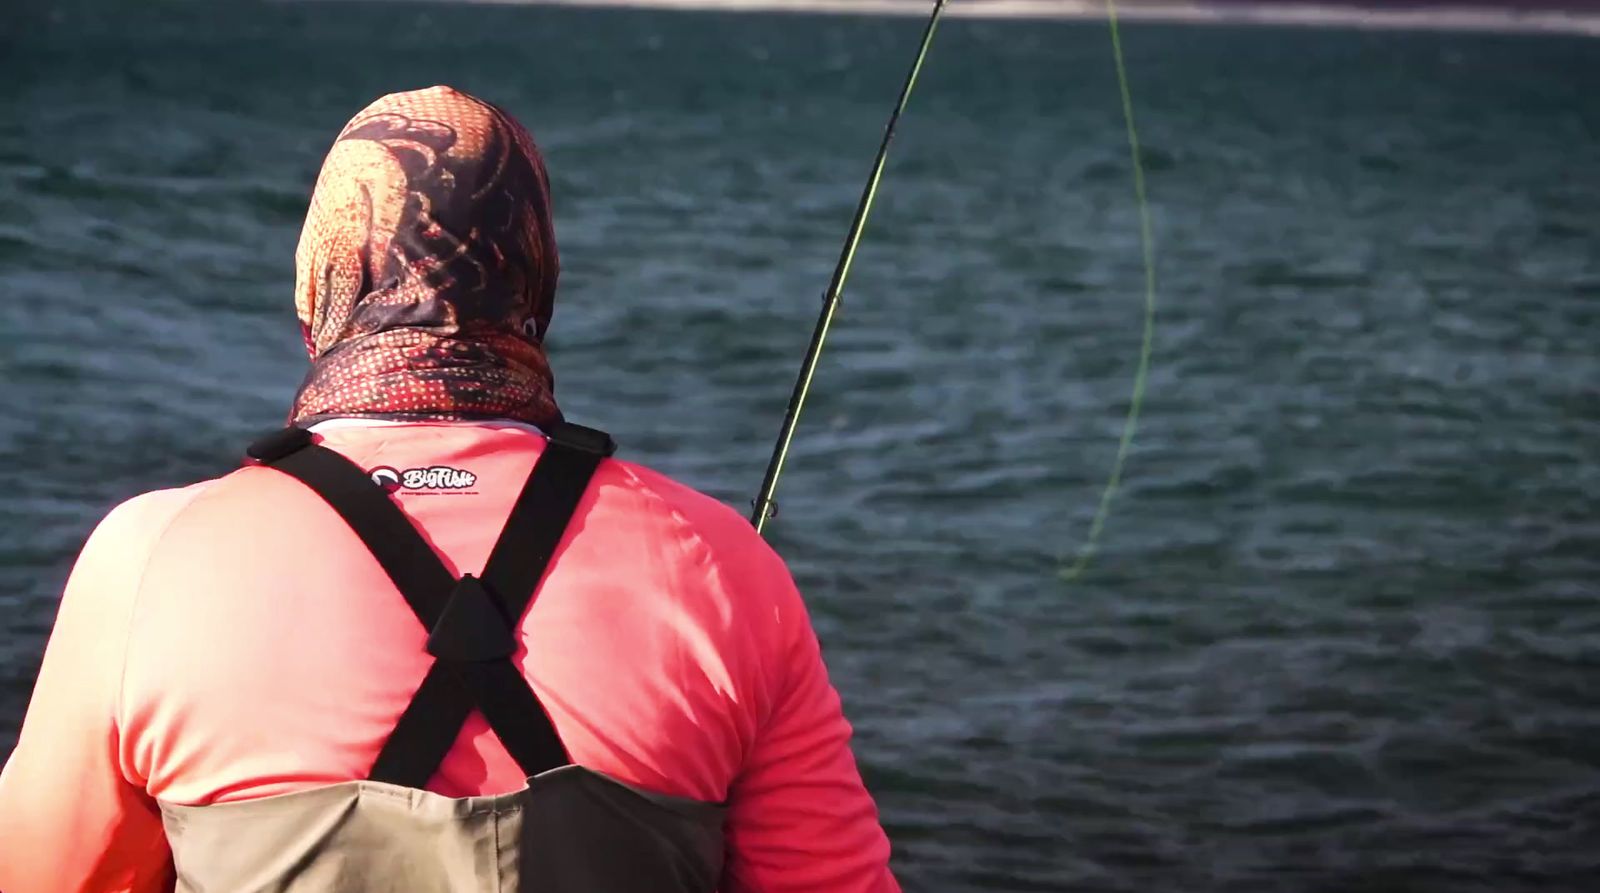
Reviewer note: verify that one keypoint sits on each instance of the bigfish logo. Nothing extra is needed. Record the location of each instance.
(441, 478)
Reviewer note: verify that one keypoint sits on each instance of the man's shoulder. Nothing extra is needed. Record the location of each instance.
(707, 528)
(679, 504)
(155, 508)
(711, 554)
(136, 524)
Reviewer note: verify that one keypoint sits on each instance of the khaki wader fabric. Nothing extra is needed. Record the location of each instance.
(571, 830)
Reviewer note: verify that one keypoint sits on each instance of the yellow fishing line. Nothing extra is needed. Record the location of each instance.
(1132, 422)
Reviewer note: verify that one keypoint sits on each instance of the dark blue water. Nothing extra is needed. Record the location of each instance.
(1343, 630)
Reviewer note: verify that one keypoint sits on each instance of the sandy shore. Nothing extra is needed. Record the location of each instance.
(1442, 17)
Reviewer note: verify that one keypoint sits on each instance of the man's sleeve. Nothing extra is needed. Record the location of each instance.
(70, 819)
(800, 818)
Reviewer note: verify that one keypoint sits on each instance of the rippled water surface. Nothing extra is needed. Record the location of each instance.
(1343, 631)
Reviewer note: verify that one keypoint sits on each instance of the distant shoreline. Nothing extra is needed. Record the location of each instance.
(1419, 17)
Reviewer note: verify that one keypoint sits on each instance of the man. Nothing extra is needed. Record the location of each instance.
(278, 681)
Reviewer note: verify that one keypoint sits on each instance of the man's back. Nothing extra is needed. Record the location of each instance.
(261, 650)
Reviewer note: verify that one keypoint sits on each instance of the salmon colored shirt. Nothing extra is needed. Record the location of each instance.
(234, 640)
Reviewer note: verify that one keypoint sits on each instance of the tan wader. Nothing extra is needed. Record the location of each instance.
(570, 830)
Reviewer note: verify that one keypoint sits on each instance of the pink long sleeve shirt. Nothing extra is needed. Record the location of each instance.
(234, 640)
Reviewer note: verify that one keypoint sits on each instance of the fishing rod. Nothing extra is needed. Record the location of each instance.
(764, 505)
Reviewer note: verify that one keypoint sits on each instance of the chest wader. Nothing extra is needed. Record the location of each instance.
(570, 830)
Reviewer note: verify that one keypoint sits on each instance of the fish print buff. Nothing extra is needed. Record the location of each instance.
(426, 272)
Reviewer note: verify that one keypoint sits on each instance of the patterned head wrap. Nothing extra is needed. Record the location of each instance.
(426, 271)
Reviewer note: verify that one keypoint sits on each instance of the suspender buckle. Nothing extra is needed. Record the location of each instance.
(471, 628)
(588, 440)
(278, 444)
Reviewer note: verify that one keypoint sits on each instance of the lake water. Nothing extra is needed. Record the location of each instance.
(1343, 628)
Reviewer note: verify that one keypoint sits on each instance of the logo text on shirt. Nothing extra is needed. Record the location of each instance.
(434, 477)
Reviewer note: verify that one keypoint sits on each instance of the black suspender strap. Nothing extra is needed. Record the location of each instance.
(517, 563)
(471, 621)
